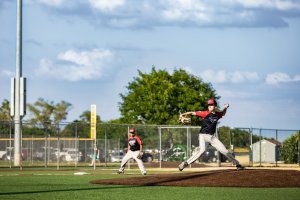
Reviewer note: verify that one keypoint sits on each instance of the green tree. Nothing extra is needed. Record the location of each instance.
(5, 111)
(236, 137)
(159, 97)
(82, 126)
(47, 114)
(86, 117)
(289, 149)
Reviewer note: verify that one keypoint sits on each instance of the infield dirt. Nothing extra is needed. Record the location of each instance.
(252, 178)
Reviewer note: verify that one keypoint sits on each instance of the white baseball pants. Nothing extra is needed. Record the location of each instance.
(204, 140)
(132, 155)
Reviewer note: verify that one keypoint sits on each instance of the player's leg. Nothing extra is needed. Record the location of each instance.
(139, 162)
(125, 159)
(198, 151)
(215, 142)
(196, 154)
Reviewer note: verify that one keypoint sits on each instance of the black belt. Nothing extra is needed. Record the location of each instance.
(207, 133)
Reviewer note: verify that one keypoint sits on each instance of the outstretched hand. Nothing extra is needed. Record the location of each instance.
(226, 105)
(183, 119)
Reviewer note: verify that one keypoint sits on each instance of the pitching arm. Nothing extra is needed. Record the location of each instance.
(225, 108)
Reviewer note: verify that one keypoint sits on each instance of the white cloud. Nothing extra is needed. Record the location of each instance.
(271, 4)
(182, 10)
(75, 66)
(279, 77)
(6, 73)
(222, 76)
(196, 13)
(106, 4)
(55, 3)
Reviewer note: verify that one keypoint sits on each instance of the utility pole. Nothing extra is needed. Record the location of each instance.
(18, 97)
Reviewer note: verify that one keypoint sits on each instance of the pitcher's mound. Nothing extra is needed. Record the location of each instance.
(258, 178)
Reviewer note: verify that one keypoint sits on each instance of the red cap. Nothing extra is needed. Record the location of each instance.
(131, 130)
(212, 102)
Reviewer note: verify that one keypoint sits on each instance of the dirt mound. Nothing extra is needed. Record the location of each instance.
(257, 178)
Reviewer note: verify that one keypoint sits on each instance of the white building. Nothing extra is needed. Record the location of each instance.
(266, 151)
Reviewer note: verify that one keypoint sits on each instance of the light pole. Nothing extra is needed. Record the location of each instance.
(18, 97)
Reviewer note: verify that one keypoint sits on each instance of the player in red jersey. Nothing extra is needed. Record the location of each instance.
(207, 134)
(135, 151)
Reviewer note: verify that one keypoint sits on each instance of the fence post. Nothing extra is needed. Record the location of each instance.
(190, 143)
(76, 146)
(58, 153)
(31, 150)
(10, 130)
(45, 152)
(105, 147)
(160, 153)
(260, 147)
(218, 154)
(299, 148)
(276, 149)
(251, 148)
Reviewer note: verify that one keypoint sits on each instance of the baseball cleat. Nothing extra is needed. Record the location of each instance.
(182, 166)
(239, 167)
(120, 172)
(144, 173)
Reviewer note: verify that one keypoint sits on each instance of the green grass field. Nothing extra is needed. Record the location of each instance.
(51, 184)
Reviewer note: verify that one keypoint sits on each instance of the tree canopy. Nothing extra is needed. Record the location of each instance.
(159, 97)
(48, 113)
(289, 149)
(5, 111)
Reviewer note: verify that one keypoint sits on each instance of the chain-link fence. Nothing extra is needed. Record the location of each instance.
(69, 144)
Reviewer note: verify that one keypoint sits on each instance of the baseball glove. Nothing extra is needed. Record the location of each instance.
(140, 156)
(184, 119)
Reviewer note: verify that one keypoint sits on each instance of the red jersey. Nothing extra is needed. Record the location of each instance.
(134, 143)
(210, 121)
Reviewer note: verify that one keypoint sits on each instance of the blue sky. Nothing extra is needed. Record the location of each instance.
(86, 51)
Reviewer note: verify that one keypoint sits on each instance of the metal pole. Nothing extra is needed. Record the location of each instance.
(160, 154)
(58, 152)
(218, 154)
(10, 148)
(276, 152)
(188, 144)
(17, 117)
(299, 148)
(76, 149)
(105, 148)
(45, 151)
(251, 149)
(260, 147)
(128, 166)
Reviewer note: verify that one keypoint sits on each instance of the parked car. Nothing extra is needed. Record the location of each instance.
(68, 155)
(72, 156)
(10, 153)
(116, 156)
(2, 154)
(147, 157)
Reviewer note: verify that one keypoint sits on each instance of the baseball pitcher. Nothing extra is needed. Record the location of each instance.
(135, 151)
(206, 135)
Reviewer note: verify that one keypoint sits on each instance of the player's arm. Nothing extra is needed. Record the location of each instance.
(140, 143)
(188, 113)
(128, 148)
(225, 109)
(141, 149)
